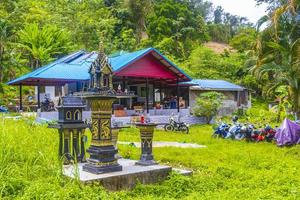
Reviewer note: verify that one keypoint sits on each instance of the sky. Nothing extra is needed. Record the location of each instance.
(244, 8)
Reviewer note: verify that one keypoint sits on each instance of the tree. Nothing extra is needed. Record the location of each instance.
(283, 105)
(41, 45)
(208, 105)
(5, 35)
(139, 10)
(206, 64)
(218, 15)
(244, 39)
(278, 50)
(173, 22)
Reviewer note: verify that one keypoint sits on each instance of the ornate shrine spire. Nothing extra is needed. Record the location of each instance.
(101, 71)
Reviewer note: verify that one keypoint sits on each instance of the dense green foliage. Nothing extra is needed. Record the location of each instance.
(35, 32)
(208, 104)
(225, 169)
(276, 57)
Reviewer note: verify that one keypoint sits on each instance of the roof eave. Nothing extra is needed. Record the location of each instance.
(218, 89)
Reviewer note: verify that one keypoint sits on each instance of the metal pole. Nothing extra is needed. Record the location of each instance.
(147, 95)
(188, 94)
(21, 103)
(38, 96)
(177, 87)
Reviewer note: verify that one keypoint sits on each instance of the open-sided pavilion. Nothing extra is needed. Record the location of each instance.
(149, 74)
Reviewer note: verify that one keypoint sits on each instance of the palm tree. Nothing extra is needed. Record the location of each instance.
(41, 45)
(278, 50)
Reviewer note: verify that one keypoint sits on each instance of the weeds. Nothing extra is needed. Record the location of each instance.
(30, 168)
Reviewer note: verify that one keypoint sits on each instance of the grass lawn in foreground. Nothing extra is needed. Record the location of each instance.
(29, 168)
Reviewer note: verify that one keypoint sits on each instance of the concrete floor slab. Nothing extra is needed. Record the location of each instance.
(125, 179)
(166, 144)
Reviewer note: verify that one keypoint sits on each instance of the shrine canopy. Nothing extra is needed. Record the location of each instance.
(146, 63)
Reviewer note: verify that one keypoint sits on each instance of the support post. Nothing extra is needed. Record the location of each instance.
(124, 83)
(160, 93)
(238, 99)
(147, 95)
(153, 95)
(188, 95)
(21, 98)
(38, 96)
(177, 88)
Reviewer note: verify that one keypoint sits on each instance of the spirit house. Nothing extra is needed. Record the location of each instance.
(71, 129)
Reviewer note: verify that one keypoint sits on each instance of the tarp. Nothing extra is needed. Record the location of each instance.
(288, 133)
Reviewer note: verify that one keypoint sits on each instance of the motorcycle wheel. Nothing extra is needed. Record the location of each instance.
(216, 135)
(184, 129)
(169, 127)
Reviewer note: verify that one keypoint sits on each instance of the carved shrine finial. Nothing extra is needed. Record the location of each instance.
(101, 47)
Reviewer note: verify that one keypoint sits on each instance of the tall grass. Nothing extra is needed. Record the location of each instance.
(30, 169)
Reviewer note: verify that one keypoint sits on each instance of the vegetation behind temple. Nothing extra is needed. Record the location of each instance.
(35, 32)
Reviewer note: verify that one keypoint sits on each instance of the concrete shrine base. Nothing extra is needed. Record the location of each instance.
(125, 179)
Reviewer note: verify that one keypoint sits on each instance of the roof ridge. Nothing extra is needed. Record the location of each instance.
(139, 54)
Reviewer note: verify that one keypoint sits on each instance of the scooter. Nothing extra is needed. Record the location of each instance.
(221, 130)
(3, 109)
(234, 130)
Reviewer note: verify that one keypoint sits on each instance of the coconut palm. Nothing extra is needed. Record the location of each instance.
(278, 50)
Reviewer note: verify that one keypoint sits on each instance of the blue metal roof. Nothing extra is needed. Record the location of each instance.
(75, 67)
(206, 84)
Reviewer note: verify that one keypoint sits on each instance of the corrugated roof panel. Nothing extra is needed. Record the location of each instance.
(75, 66)
(118, 62)
(207, 84)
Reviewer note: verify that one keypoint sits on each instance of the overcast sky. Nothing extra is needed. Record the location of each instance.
(244, 8)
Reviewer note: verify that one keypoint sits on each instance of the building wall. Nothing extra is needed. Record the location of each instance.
(231, 102)
(52, 92)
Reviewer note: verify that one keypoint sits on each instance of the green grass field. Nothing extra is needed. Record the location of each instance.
(30, 169)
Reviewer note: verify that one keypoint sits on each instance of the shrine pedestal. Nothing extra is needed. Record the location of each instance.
(146, 134)
(131, 175)
(102, 151)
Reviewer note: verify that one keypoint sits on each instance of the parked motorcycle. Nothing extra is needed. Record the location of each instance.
(176, 126)
(249, 131)
(221, 130)
(269, 133)
(47, 105)
(235, 129)
(3, 109)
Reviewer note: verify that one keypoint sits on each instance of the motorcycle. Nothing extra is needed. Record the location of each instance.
(269, 133)
(3, 109)
(176, 126)
(234, 131)
(47, 105)
(221, 130)
(249, 130)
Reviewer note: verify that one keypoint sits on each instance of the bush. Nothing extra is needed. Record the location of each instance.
(208, 105)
